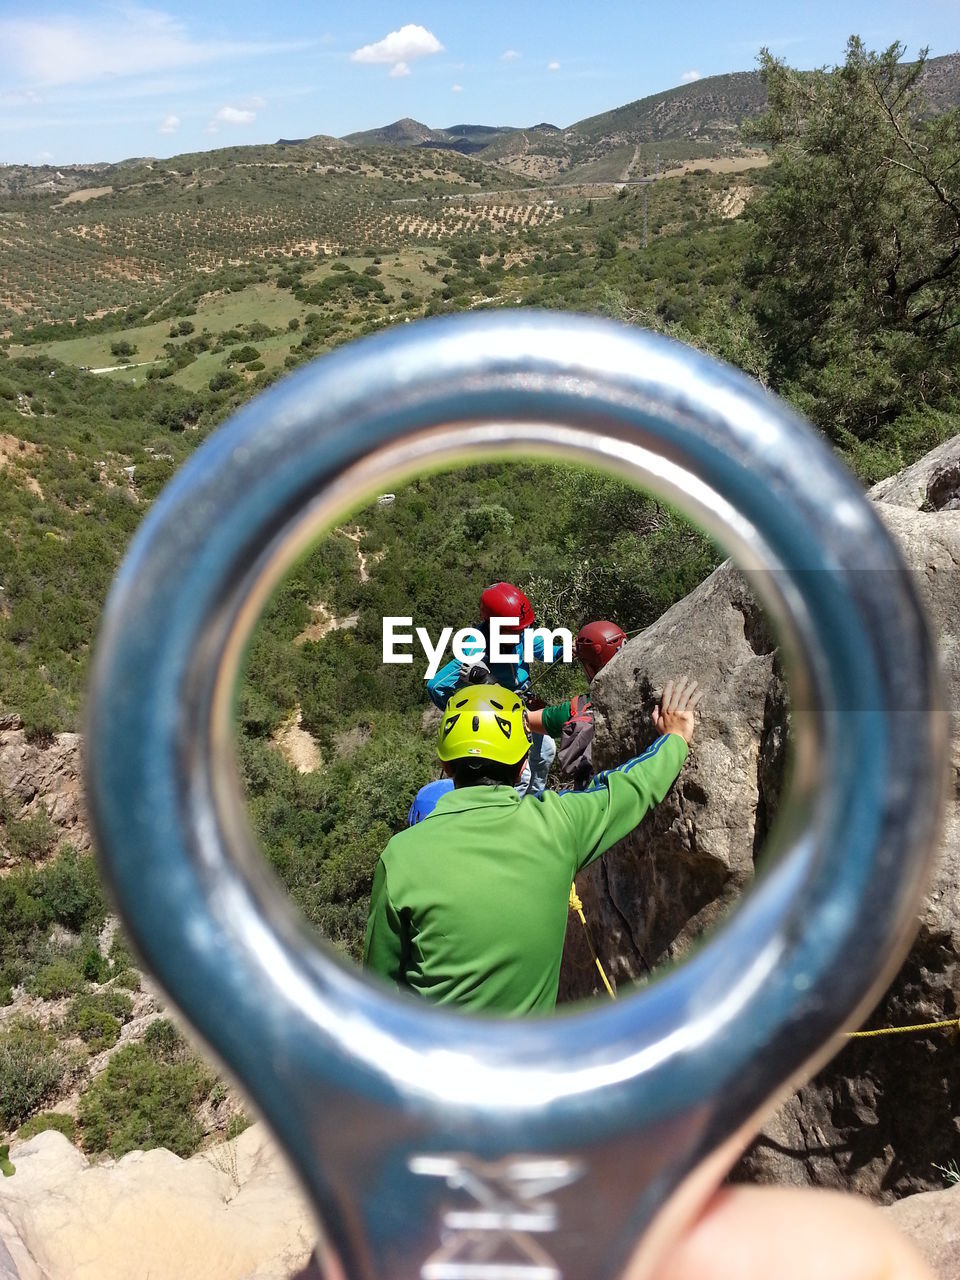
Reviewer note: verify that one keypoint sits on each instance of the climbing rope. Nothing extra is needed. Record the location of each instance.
(577, 906)
(954, 1023)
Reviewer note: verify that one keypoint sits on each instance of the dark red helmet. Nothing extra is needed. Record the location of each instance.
(504, 600)
(597, 642)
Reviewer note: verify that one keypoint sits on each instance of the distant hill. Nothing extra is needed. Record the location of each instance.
(465, 138)
(663, 130)
(682, 123)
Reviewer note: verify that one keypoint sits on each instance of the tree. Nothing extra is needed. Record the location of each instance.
(856, 263)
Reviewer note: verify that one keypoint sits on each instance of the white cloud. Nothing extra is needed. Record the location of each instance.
(44, 157)
(400, 48)
(553, 66)
(124, 42)
(688, 77)
(509, 55)
(21, 98)
(456, 88)
(170, 124)
(234, 115)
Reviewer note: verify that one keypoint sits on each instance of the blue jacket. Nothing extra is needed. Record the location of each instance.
(512, 675)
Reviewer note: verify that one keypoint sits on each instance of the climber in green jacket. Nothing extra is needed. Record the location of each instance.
(469, 907)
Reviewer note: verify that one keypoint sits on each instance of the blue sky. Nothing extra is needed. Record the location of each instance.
(104, 81)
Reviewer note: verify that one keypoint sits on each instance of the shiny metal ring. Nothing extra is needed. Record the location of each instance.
(440, 1146)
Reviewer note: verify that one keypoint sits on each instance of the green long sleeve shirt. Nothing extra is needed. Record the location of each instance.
(469, 907)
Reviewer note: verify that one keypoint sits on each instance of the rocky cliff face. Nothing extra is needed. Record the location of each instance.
(35, 776)
(884, 1112)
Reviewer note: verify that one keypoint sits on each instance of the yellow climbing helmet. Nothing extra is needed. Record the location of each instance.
(483, 722)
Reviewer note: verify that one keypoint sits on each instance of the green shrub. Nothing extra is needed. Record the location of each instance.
(242, 355)
(98, 1029)
(237, 1124)
(95, 967)
(96, 1017)
(33, 838)
(255, 366)
(72, 892)
(165, 1042)
(59, 977)
(45, 1120)
(31, 1067)
(143, 1101)
(128, 979)
(6, 1168)
(224, 380)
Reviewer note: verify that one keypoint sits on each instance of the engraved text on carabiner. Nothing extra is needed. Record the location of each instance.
(494, 1238)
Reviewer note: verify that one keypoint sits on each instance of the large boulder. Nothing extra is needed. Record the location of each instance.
(884, 1112)
(233, 1212)
(932, 1221)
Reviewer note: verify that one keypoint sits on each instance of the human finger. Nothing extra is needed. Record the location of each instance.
(666, 700)
(691, 694)
(755, 1233)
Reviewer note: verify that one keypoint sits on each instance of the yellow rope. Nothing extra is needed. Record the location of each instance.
(577, 906)
(902, 1031)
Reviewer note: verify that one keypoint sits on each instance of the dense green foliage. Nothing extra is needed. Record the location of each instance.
(65, 891)
(856, 259)
(147, 1097)
(45, 1120)
(32, 1066)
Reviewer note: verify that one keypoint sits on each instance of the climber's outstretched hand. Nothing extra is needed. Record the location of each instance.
(674, 714)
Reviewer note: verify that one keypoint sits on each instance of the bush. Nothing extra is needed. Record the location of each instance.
(32, 837)
(242, 355)
(237, 1124)
(45, 1120)
(31, 1067)
(98, 1029)
(96, 1017)
(128, 980)
(59, 977)
(143, 1100)
(165, 1042)
(225, 380)
(95, 967)
(123, 349)
(71, 889)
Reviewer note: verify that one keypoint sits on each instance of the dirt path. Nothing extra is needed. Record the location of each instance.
(355, 537)
(297, 746)
(112, 368)
(324, 622)
(631, 163)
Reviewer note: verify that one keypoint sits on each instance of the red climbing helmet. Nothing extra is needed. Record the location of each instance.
(597, 642)
(504, 600)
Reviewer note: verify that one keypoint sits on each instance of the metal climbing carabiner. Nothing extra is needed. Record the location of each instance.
(435, 1145)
